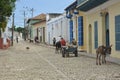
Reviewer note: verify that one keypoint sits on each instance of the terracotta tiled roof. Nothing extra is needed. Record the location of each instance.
(39, 17)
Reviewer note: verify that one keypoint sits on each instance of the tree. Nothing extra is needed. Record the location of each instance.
(6, 9)
(20, 29)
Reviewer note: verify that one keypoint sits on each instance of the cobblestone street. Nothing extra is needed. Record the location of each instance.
(41, 63)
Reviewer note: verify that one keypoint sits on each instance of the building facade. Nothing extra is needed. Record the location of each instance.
(57, 26)
(77, 25)
(39, 28)
(36, 27)
(102, 24)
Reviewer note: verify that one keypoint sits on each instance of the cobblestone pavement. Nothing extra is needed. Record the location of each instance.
(41, 63)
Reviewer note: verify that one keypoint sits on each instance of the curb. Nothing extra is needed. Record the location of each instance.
(108, 58)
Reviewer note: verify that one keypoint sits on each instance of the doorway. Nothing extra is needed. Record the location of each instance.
(90, 38)
(107, 29)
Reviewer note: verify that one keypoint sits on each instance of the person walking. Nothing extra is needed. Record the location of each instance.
(17, 39)
(54, 41)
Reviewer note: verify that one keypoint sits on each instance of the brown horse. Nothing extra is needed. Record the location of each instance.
(101, 52)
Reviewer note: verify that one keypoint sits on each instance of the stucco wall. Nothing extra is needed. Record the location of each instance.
(113, 11)
(40, 26)
(91, 19)
(57, 27)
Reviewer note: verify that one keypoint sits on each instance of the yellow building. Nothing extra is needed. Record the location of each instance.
(37, 27)
(76, 25)
(102, 24)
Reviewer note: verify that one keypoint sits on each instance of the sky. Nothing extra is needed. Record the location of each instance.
(39, 6)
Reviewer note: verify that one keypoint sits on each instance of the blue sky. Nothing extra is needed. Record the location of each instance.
(39, 6)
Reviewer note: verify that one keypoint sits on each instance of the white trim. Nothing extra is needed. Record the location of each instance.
(82, 3)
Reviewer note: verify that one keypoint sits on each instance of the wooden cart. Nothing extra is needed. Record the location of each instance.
(66, 50)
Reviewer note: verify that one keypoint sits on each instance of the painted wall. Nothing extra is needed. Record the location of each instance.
(57, 27)
(114, 11)
(41, 32)
(30, 29)
(91, 19)
(112, 8)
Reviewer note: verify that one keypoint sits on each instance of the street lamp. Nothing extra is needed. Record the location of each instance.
(68, 15)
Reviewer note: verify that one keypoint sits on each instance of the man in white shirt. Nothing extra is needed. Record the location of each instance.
(58, 39)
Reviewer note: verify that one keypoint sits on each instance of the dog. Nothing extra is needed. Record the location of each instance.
(27, 48)
(101, 52)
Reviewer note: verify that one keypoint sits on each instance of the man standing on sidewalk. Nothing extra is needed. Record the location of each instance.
(17, 39)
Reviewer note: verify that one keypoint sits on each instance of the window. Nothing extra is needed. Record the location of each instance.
(117, 32)
(80, 31)
(96, 34)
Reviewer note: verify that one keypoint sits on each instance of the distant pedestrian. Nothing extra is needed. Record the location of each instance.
(54, 41)
(36, 39)
(17, 39)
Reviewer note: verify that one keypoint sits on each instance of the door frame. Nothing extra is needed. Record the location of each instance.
(90, 37)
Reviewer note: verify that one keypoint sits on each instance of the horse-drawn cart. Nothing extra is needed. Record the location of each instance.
(66, 50)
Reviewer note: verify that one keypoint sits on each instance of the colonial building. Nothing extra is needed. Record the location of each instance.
(102, 24)
(57, 26)
(77, 25)
(37, 27)
(49, 17)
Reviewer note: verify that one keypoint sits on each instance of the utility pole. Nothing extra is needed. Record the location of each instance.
(24, 28)
(12, 28)
(32, 10)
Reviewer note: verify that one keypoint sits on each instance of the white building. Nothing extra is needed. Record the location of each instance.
(57, 26)
(8, 33)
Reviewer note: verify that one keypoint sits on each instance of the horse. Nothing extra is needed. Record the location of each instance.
(58, 47)
(101, 52)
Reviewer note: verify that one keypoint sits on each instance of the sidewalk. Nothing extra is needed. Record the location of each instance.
(108, 58)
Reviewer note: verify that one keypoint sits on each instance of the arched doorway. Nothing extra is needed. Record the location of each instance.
(90, 38)
(107, 29)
